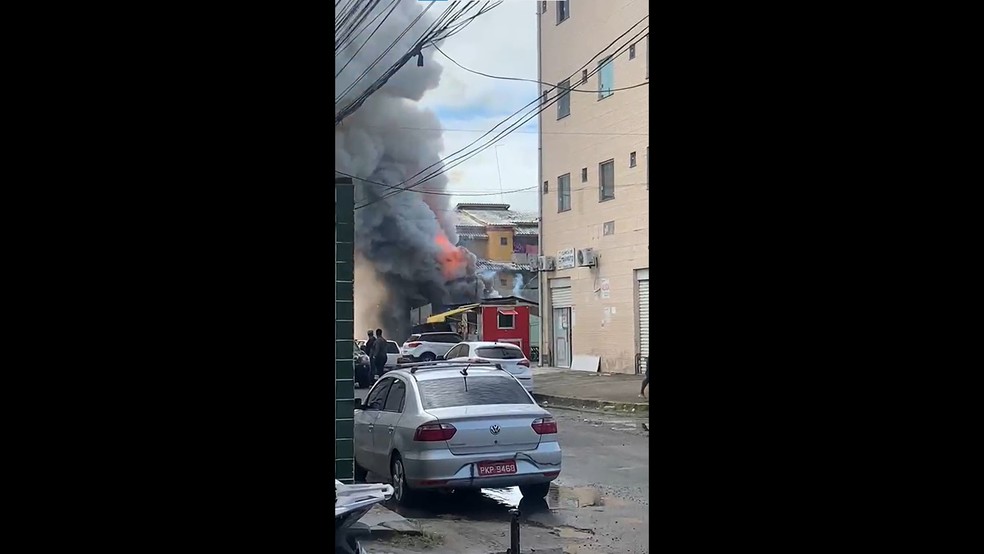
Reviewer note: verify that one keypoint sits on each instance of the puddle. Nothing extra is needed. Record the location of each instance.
(491, 504)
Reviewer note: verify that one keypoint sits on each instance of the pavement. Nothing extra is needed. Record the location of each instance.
(383, 522)
(589, 390)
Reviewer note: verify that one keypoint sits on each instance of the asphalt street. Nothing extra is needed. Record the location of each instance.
(600, 502)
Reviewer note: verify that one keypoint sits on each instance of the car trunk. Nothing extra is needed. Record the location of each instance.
(474, 426)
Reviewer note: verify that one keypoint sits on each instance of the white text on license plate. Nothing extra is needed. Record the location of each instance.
(496, 468)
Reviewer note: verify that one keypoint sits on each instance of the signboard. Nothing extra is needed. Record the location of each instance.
(565, 259)
(606, 289)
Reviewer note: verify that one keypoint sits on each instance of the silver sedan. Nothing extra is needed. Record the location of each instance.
(453, 425)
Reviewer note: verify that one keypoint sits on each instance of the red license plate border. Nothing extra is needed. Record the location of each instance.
(494, 464)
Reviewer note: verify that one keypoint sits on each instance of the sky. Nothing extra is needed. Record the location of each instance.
(500, 42)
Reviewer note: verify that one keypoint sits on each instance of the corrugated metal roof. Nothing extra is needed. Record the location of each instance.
(526, 231)
(492, 214)
(500, 266)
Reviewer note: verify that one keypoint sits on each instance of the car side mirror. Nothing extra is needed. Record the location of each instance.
(439, 358)
(358, 404)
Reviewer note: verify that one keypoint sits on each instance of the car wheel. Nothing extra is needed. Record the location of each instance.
(534, 492)
(428, 357)
(402, 493)
(360, 473)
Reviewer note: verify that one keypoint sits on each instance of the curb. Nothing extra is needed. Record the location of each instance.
(381, 531)
(583, 404)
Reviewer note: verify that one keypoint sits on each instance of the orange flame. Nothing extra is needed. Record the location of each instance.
(453, 259)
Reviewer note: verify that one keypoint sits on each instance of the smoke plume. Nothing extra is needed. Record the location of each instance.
(406, 240)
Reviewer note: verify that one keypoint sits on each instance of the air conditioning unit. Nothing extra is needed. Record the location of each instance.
(546, 263)
(535, 263)
(586, 258)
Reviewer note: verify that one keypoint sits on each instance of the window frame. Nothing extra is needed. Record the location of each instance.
(601, 180)
(632, 159)
(563, 98)
(584, 175)
(560, 193)
(377, 387)
(567, 10)
(503, 241)
(498, 320)
(389, 393)
(607, 62)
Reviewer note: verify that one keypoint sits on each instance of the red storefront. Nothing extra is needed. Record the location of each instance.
(507, 324)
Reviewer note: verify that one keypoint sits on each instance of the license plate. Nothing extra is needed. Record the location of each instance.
(496, 468)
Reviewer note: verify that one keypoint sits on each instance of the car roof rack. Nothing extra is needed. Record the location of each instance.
(444, 364)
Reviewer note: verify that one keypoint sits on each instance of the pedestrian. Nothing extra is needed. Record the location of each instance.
(378, 356)
(367, 347)
(645, 380)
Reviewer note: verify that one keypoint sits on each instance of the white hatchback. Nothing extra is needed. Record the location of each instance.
(508, 355)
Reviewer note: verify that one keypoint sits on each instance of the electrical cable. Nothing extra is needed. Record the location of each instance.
(507, 130)
(542, 108)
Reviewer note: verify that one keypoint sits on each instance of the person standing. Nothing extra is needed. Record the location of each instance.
(378, 356)
(367, 347)
(645, 380)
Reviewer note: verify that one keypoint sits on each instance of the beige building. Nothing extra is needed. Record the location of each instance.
(594, 174)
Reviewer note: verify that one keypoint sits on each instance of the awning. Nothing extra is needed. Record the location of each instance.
(438, 318)
(507, 311)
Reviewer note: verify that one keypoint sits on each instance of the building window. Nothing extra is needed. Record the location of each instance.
(584, 75)
(584, 175)
(608, 228)
(503, 241)
(563, 11)
(564, 193)
(564, 101)
(546, 187)
(647, 168)
(503, 282)
(544, 8)
(606, 78)
(632, 51)
(632, 159)
(507, 321)
(606, 180)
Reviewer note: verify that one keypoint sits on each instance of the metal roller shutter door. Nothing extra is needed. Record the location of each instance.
(643, 322)
(561, 298)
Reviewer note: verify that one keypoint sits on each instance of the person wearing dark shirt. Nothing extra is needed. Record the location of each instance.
(378, 356)
(367, 347)
(645, 380)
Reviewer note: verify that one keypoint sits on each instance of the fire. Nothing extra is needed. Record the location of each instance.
(453, 259)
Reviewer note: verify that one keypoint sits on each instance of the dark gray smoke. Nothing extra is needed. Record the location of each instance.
(386, 141)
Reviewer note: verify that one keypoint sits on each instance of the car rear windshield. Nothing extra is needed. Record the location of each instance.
(482, 390)
(500, 353)
(413, 338)
(392, 348)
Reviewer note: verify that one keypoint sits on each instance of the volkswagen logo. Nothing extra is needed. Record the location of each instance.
(494, 429)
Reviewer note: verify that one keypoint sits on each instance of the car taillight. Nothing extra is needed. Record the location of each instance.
(411, 345)
(524, 363)
(544, 425)
(435, 432)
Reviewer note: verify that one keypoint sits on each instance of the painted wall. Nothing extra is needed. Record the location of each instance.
(479, 247)
(496, 250)
(521, 330)
(595, 131)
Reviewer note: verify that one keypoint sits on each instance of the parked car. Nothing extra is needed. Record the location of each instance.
(392, 354)
(362, 369)
(426, 347)
(453, 425)
(506, 354)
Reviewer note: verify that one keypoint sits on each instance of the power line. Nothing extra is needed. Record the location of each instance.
(568, 89)
(514, 126)
(517, 131)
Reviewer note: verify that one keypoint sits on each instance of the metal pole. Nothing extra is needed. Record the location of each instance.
(541, 283)
(514, 532)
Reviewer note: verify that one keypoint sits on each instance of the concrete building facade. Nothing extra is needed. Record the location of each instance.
(594, 179)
